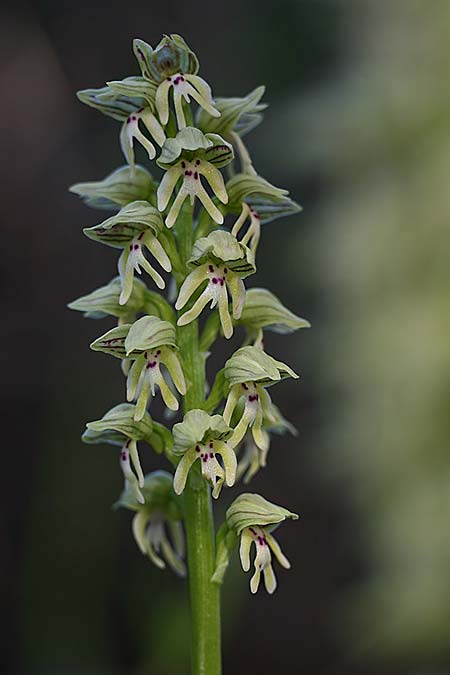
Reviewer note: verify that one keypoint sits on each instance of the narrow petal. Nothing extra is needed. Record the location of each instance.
(202, 94)
(266, 404)
(182, 470)
(215, 179)
(167, 185)
(176, 207)
(142, 402)
(237, 290)
(138, 527)
(239, 431)
(157, 278)
(278, 553)
(126, 273)
(229, 462)
(254, 581)
(177, 535)
(156, 249)
(241, 220)
(154, 557)
(133, 378)
(217, 487)
(244, 549)
(209, 205)
(179, 112)
(196, 309)
(270, 580)
(153, 126)
(233, 397)
(190, 285)
(134, 455)
(126, 144)
(174, 561)
(169, 397)
(257, 433)
(145, 142)
(173, 365)
(162, 101)
(225, 318)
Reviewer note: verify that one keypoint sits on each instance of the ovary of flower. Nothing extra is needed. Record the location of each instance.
(219, 281)
(132, 259)
(130, 448)
(265, 545)
(149, 530)
(185, 86)
(253, 233)
(256, 408)
(130, 131)
(211, 469)
(191, 187)
(145, 377)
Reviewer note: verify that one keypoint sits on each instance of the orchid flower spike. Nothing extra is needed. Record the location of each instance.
(173, 66)
(130, 101)
(189, 156)
(248, 372)
(150, 343)
(136, 227)
(220, 263)
(253, 518)
(202, 437)
(157, 527)
(118, 427)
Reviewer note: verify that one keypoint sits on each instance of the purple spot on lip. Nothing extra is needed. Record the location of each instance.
(136, 246)
(197, 449)
(211, 454)
(221, 282)
(214, 280)
(211, 269)
(196, 175)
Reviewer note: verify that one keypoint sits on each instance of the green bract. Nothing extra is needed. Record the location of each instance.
(118, 189)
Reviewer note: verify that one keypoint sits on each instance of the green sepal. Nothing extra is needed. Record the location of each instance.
(104, 301)
(135, 87)
(268, 201)
(198, 427)
(172, 55)
(107, 102)
(158, 494)
(148, 333)
(251, 364)
(118, 425)
(251, 509)
(226, 541)
(132, 219)
(262, 309)
(191, 142)
(118, 188)
(237, 114)
(222, 248)
(113, 341)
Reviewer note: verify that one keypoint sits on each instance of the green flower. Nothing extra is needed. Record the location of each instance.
(189, 156)
(239, 115)
(174, 66)
(150, 343)
(253, 518)
(221, 262)
(248, 372)
(266, 201)
(119, 427)
(137, 225)
(130, 101)
(153, 521)
(104, 302)
(201, 437)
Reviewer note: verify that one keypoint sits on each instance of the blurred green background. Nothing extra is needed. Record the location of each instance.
(359, 130)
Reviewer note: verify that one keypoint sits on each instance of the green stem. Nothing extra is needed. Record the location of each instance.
(199, 523)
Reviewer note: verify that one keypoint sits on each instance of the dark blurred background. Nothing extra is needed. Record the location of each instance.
(358, 129)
